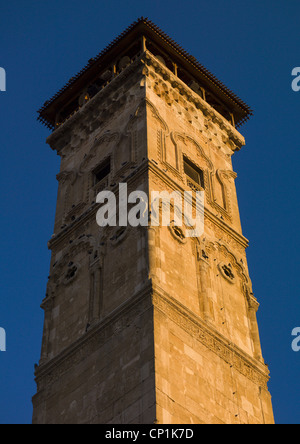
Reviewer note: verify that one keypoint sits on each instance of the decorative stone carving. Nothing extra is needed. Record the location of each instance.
(70, 252)
(210, 339)
(165, 81)
(252, 309)
(227, 272)
(119, 235)
(177, 232)
(71, 273)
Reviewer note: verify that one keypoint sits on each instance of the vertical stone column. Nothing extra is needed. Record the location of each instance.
(204, 285)
(151, 231)
(47, 306)
(252, 310)
(96, 292)
(142, 264)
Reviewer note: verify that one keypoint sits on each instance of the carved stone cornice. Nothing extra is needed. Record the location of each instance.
(150, 167)
(47, 373)
(236, 140)
(66, 233)
(252, 369)
(47, 303)
(134, 73)
(96, 336)
(251, 299)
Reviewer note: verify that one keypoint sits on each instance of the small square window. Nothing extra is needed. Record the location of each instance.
(193, 172)
(102, 171)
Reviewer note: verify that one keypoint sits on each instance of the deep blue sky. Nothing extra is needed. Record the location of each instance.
(250, 45)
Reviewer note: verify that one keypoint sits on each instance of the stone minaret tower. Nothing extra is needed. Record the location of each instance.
(144, 324)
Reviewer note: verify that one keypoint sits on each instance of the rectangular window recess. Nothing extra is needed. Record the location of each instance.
(102, 171)
(193, 172)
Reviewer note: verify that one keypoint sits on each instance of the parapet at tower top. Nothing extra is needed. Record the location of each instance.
(142, 35)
